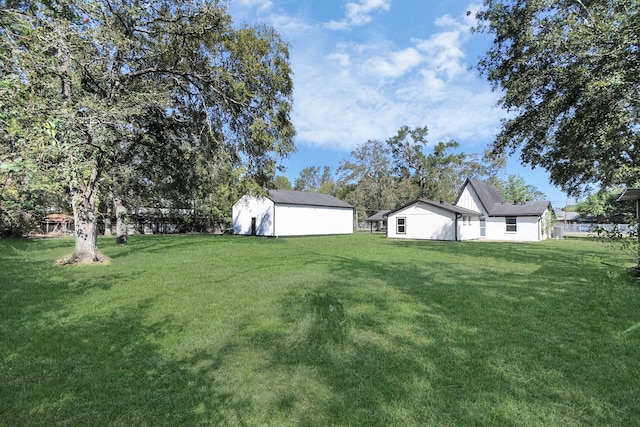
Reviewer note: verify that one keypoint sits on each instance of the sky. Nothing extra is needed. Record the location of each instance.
(362, 69)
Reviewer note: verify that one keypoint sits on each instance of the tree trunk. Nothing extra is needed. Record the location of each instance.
(84, 214)
(121, 225)
(108, 224)
(86, 249)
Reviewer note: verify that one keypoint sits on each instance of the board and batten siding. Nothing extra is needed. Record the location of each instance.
(470, 200)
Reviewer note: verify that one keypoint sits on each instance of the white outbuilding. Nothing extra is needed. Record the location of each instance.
(292, 213)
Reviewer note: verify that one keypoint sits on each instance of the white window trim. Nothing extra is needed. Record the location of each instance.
(404, 225)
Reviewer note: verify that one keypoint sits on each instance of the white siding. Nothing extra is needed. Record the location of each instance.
(528, 229)
(294, 220)
(469, 231)
(289, 220)
(249, 207)
(470, 200)
(423, 222)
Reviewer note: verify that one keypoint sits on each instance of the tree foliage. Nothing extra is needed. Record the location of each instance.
(315, 179)
(142, 92)
(569, 71)
(603, 204)
(367, 179)
(516, 188)
(435, 175)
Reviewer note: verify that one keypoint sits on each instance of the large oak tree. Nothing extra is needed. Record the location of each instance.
(569, 72)
(118, 77)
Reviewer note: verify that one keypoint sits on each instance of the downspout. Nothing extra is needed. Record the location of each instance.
(458, 216)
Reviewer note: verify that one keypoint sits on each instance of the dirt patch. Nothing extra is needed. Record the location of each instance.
(99, 259)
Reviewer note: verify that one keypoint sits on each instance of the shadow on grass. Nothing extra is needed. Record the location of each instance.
(414, 340)
(60, 368)
(163, 243)
(423, 347)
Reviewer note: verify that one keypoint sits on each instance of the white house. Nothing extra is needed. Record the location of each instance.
(501, 220)
(479, 213)
(426, 219)
(292, 213)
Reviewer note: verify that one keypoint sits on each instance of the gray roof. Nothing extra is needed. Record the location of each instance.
(287, 197)
(488, 194)
(630, 194)
(519, 209)
(378, 216)
(493, 204)
(442, 205)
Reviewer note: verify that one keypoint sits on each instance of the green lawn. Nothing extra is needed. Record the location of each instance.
(341, 330)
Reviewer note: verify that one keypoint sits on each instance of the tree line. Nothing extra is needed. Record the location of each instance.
(381, 175)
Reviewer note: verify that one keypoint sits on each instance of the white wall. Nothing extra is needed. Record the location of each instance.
(469, 231)
(289, 220)
(528, 229)
(295, 220)
(249, 207)
(423, 223)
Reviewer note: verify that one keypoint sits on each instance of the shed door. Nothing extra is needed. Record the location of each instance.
(253, 226)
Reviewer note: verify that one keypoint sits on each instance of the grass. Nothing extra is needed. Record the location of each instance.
(338, 330)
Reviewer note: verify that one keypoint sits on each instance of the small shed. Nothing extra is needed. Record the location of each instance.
(291, 213)
(378, 221)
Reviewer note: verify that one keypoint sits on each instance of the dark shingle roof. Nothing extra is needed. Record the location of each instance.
(630, 194)
(442, 205)
(487, 193)
(493, 204)
(378, 216)
(519, 209)
(288, 197)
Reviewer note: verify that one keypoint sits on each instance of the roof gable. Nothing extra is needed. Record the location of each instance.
(441, 205)
(487, 193)
(288, 197)
(492, 202)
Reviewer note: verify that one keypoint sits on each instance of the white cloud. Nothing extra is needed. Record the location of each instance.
(444, 53)
(349, 90)
(395, 64)
(260, 6)
(359, 13)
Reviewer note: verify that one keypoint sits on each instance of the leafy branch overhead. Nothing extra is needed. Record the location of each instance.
(569, 72)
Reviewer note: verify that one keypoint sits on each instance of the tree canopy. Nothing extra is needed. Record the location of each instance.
(148, 91)
(569, 72)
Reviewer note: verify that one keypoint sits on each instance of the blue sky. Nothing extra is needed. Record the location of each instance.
(364, 68)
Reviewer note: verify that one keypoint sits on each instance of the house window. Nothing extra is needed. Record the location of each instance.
(512, 225)
(401, 225)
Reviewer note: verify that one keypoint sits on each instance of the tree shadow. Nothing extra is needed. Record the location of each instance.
(106, 370)
(432, 349)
